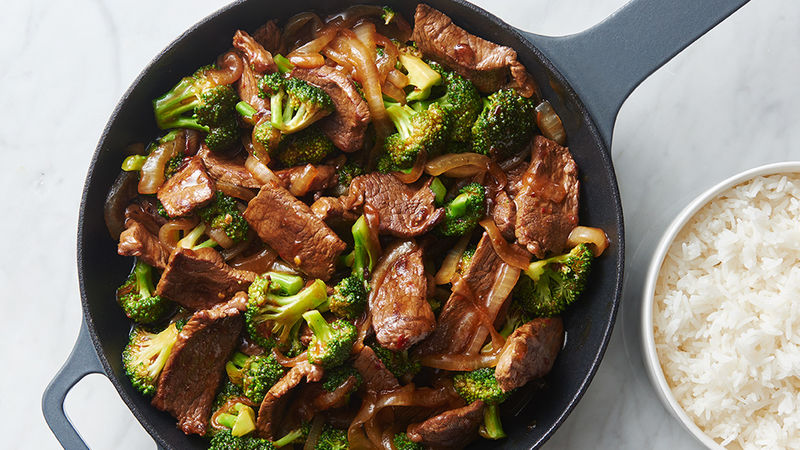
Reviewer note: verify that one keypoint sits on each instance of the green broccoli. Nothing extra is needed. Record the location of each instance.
(190, 239)
(255, 374)
(240, 418)
(332, 439)
(294, 104)
(284, 65)
(462, 100)
(308, 146)
(401, 364)
(481, 384)
(270, 318)
(229, 391)
(145, 355)
(388, 15)
(349, 297)
(173, 165)
(284, 283)
(553, 284)
(402, 442)
(365, 251)
(267, 136)
(349, 171)
(421, 77)
(505, 124)
(223, 213)
(464, 212)
(136, 297)
(199, 103)
(225, 440)
(338, 375)
(439, 191)
(417, 131)
(331, 343)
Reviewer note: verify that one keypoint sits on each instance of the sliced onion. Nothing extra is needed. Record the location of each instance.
(236, 250)
(342, 60)
(397, 78)
(447, 163)
(388, 63)
(396, 94)
(511, 255)
(549, 123)
(235, 191)
(307, 60)
(152, 173)
(260, 171)
(460, 363)
(416, 170)
(450, 263)
(119, 197)
(321, 40)
(595, 237)
(170, 233)
(363, 326)
(296, 23)
(365, 32)
(230, 68)
(219, 236)
(260, 262)
(504, 283)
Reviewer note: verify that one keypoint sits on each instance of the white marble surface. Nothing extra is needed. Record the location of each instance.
(727, 103)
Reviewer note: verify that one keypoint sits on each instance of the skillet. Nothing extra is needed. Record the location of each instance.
(586, 77)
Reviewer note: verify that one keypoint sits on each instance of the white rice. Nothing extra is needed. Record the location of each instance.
(727, 315)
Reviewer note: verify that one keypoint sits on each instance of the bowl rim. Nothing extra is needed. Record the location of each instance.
(651, 361)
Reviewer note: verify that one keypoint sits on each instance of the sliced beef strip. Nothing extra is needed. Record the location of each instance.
(300, 237)
(331, 209)
(269, 36)
(403, 211)
(194, 368)
(137, 241)
(346, 126)
(200, 278)
(314, 398)
(547, 202)
(504, 213)
(272, 412)
(301, 180)
(530, 352)
(247, 88)
(186, 190)
(228, 170)
(401, 314)
(377, 377)
(259, 59)
(488, 65)
(461, 327)
(451, 429)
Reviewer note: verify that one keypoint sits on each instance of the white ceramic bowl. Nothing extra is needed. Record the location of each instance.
(651, 362)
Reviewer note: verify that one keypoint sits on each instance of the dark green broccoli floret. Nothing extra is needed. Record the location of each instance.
(349, 171)
(401, 364)
(267, 136)
(256, 374)
(425, 130)
(229, 391)
(332, 439)
(464, 212)
(145, 355)
(482, 385)
(294, 104)
(462, 100)
(270, 317)
(349, 297)
(199, 103)
(173, 165)
(553, 284)
(190, 239)
(338, 375)
(505, 124)
(402, 442)
(332, 342)
(223, 213)
(308, 146)
(136, 296)
(421, 77)
(225, 440)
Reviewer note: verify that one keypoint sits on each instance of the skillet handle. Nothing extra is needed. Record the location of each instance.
(605, 63)
(81, 362)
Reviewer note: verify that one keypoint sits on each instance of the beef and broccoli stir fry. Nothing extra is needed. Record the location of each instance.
(354, 232)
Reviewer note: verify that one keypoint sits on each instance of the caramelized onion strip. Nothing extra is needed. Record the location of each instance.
(460, 363)
(513, 256)
(595, 237)
(450, 263)
(170, 233)
(457, 164)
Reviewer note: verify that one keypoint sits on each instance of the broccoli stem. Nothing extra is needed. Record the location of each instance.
(458, 206)
(491, 421)
(190, 240)
(144, 280)
(364, 251)
(289, 438)
(400, 115)
(245, 110)
(284, 65)
(226, 420)
(319, 326)
(133, 163)
(284, 283)
(439, 191)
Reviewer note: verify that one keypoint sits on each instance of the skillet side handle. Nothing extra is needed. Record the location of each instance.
(81, 362)
(605, 63)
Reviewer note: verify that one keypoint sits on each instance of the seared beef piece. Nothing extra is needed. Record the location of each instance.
(300, 180)
(314, 398)
(488, 65)
(451, 429)
(547, 202)
(377, 377)
(401, 314)
(504, 213)
(530, 352)
(271, 414)
(186, 190)
(460, 327)
(247, 88)
(346, 126)
(259, 59)
(332, 209)
(137, 241)
(300, 237)
(194, 368)
(403, 211)
(229, 170)
(200, 278)
(269, 36)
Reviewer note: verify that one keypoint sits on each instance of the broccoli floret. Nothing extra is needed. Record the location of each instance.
(270, 317)
(225, 440)
(173, 165)
(190, 239)
(365, 252)
(294, 104)
(136, 297)
(401, 364)
(332, 439)
(332, 342)
(349, 297)
(505, 124)
(337, 376)
(229, 391)
(421, 77)
(425, 130)
(482, 385)
(145, 355)
(199, 103)
(240, 418)
(464, 212)
(223, 213)
(308, 146)
(388, 15)
(267, 136)
(462, 100)
(255, 374)
(402, 442)
(349, 171)
(466, 259)
(553, 284)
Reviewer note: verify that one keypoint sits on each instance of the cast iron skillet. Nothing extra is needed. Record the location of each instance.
(585, 76)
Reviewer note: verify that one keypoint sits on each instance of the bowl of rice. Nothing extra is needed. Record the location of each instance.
(721, 312)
